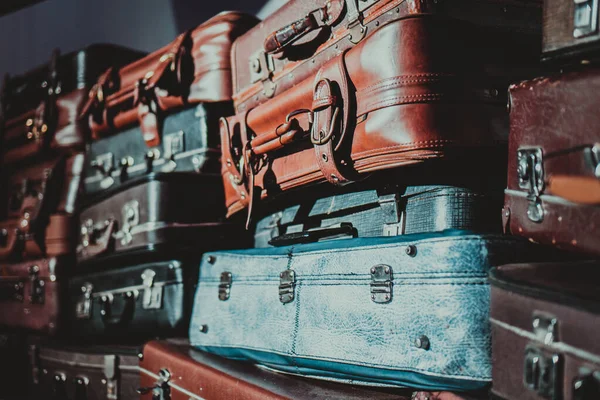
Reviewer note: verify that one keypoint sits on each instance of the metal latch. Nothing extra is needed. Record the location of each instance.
(37, 288)
(585, 18)
(261, 69)
(131, 218)
(59, 386)
(83, 308)
(530, 171)
(357, 30)
(381, 283)
(586, 385)
(541, 373)
(152, 299)
(161, 389)
(81, 384)
(174, 144)
(545, 327)
(225, 286)
(393, 215)
(105, 165)
(111, 367)
(287, 284)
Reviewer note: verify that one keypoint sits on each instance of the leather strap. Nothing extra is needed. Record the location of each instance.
(576, 189)
(59, 235)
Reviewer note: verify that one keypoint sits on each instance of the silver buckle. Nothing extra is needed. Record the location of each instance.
(381, 283)
(287, 285)
(225, 286)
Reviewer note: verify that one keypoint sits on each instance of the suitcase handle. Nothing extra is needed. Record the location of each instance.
(314, 235)
(278, 41)
(126, 315)
(576, 189)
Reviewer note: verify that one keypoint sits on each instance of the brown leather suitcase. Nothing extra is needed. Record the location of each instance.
(42, 106)
(570, 30)
(553, 193)
(172, 370)
(545, 320)
(412, 90)
(39, 207)
(63, 371)
(32, 294)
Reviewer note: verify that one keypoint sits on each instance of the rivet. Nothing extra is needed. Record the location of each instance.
(203, 328)
(494, 92)
(211, 259)
(140, 356)
(411, 250)
(243, 196)
(507, 213)
(372, 297)
(387, 270)
(422, 342)
(376, 23)
(398, 10)
(335, 178)
(372, 270)
(324, 156)
(387, 296)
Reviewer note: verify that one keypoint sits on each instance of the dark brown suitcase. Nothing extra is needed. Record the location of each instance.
(61, 371)
(570, 29)
(545, 320)
(419, 86)
(33, 294)
(39, 207)
(553, 193)
(42, 106)
(172, 370)
(13, 366)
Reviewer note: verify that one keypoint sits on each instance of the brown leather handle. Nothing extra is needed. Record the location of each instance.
(11, 243)
(576, 189)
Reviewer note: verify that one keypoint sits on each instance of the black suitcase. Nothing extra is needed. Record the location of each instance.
(13, 366)
(61, 371)
(189, 143)
(130, 302)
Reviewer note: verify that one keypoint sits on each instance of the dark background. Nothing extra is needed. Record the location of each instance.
(28, 36)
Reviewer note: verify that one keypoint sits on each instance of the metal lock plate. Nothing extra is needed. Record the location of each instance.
(545, 327)
(131, 218)
(83, 308)
(287, 286)
(174, 144)
(381, 283)
(530, 171)
(225, 286)
(105, 165)
(37, 289)
(152, 299)
(542, 373)
(585, 18)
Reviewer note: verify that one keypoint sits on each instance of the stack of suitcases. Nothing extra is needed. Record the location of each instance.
(311, 206)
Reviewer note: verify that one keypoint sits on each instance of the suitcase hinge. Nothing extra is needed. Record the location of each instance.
(381, 283)
(110, 373)
(131, 218)
(530, 171)
(83, 308)
(393, 216)
(357, 30)
(225, 286)
(287, 285)
(37, 288)
(585, 18)
(152, 299)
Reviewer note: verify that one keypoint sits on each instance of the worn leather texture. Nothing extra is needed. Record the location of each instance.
(259, 74)
(33, 294)
(154, 210)
(190, 142)
(563, 292)
(39, 208)
(390, 101)
(388, 212)
(198, 375)
(134, 301)
(332, 329)
(43, 105)
(194, 68)
(61, 371)
(565, 102)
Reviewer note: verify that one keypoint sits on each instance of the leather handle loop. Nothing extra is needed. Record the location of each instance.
(125, 316)
(576, 189)
(92, 244)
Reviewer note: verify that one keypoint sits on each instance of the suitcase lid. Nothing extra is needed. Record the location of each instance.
(568, 283)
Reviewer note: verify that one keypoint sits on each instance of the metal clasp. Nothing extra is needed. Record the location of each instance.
(381, 283)
(261, 70)
(585, 18)
(287, 285)
(174, 144)
(225, 286)
(111, 367)
(541, 372)
(545, 327)
(83, 308)
(104, 164)
(131, 218)
(530, 171)
(37, 288)
(152, 294)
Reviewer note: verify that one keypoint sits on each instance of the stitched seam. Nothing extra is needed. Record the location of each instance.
(406, 78)
(397, 84)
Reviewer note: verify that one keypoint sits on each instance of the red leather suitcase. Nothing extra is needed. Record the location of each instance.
(389, 101)
(545, 320)
(553, 194)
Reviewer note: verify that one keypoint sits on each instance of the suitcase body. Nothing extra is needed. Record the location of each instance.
(553, 189)
(570, 30)
(42, 106)
(544, 321)
(153, 211)
(189, 143)
(41, 202)
(144, 300)
(13, 365)
(62, 371)
(175, 368)
(334, 310)
(388, 211)
(33, 294)
(387, 102)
